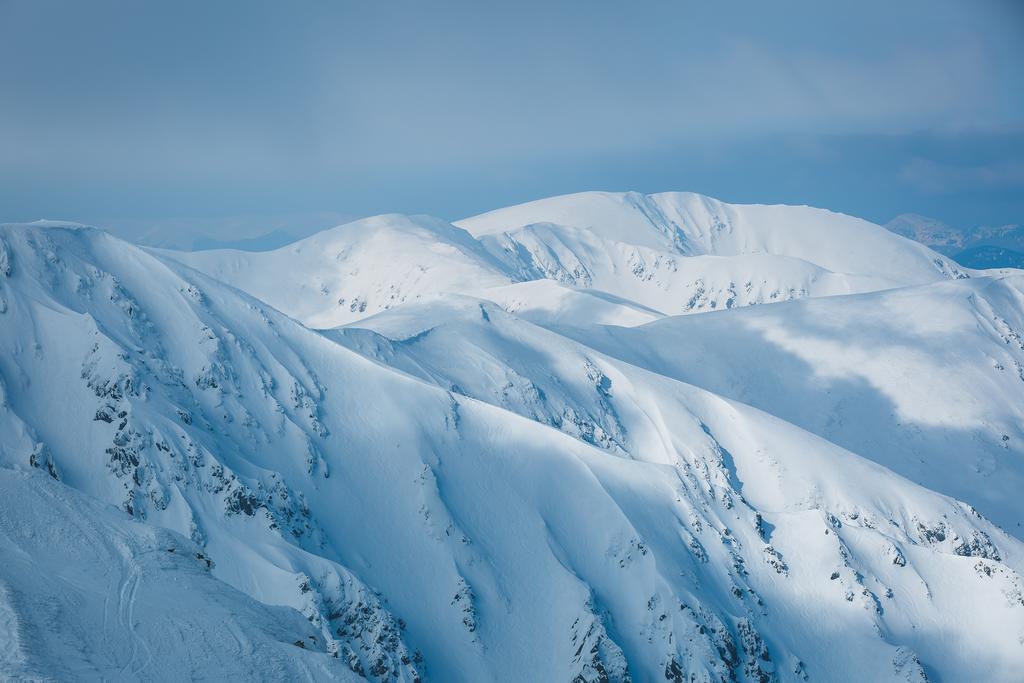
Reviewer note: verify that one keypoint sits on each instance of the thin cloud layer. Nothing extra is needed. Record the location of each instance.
(119, 109)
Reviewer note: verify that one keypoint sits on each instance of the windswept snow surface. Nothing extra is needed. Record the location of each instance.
(504, 456)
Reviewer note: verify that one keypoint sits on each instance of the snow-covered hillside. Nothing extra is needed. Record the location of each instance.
(927, 381)
(464, 472)
(86, 593)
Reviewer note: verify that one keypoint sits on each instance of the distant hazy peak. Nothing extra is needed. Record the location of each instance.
(929, 231)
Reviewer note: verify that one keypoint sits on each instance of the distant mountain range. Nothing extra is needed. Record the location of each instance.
(980, 247)
(274, 239)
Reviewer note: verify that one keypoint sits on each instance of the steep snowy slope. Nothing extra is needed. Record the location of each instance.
(928, 381)
(425, 533)
(124, 381)
(88, 594)
(661, 254)
(475, 348)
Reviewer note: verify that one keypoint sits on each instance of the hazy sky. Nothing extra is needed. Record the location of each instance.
(170, 118)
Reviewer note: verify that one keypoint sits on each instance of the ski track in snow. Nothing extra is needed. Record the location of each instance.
(12, 647)
(126, 619)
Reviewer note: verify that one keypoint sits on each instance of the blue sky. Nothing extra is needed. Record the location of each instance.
(233, 118)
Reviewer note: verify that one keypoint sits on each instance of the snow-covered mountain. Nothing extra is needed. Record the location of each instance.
(492, 451)
(356, 269)
(670, 253)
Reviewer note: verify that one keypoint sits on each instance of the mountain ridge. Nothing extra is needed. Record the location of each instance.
(673, 252)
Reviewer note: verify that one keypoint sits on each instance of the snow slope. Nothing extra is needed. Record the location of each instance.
(87, 593)
(475, 348)
(447, 490)
(356, 269)
(927, 381)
